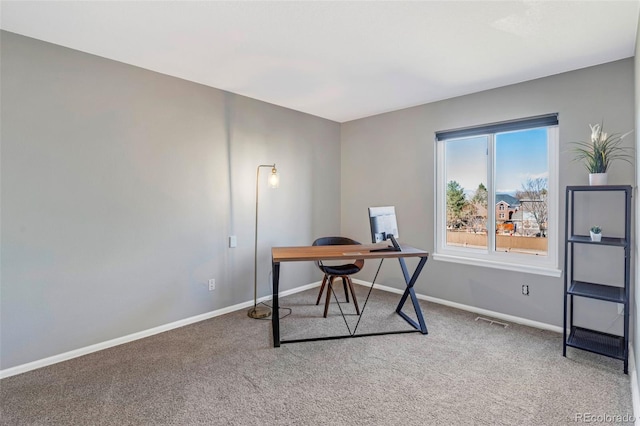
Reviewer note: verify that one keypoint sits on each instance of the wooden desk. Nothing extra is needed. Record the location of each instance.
(348, 252)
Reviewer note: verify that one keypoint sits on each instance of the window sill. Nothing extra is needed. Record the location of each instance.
(529, 269)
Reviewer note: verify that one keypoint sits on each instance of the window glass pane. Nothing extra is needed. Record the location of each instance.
(521, 186)
(466, 192)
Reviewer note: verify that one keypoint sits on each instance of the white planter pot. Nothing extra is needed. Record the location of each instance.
(595, 237)
(597, 179)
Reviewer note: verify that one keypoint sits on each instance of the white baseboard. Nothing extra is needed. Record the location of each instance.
(23, 368)
(492, 314)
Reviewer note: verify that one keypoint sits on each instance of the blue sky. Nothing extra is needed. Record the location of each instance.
(519, 155)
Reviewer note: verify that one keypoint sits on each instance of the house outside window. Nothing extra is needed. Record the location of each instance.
(511, 166)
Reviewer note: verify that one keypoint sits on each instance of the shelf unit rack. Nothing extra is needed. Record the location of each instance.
(583, 338)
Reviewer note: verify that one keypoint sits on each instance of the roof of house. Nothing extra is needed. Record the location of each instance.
(509, 199)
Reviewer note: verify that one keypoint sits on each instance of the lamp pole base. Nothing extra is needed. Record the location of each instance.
(259, 312)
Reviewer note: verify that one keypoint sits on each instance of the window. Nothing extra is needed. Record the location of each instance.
(511, 166)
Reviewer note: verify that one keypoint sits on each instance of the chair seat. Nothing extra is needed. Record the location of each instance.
(340, 269)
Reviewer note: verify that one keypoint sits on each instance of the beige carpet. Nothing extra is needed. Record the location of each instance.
(224, 371)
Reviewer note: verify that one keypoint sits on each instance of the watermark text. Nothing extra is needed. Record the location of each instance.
(603, 418)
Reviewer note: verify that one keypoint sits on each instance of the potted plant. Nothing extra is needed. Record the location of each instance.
(600, 152)
(596, 233)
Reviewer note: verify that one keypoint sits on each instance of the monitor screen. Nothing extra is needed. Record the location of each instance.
(383, 223)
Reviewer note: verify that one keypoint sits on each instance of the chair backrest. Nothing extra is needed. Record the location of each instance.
(334, 241)
(337, 241)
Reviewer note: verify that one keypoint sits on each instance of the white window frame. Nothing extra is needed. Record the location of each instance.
(534, 264)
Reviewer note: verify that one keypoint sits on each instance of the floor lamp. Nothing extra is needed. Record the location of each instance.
(274, 181)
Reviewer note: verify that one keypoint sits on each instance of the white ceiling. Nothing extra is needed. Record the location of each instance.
(340, 60)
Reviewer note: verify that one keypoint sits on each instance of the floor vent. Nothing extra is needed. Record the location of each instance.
(491, 321)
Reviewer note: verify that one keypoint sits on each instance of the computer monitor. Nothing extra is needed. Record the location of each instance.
(384, 225)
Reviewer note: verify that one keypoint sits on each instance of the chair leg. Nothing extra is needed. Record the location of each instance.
(344, 285)
(348, 284)
(353, 296)
(328, 299)
(324, 282)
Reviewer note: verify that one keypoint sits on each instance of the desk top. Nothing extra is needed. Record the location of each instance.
(338, 252)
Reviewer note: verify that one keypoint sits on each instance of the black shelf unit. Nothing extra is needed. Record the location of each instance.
(579, 337)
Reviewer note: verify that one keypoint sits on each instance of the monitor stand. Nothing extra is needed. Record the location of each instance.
(395, 247)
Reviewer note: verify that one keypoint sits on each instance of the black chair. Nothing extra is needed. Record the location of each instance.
(340, 271)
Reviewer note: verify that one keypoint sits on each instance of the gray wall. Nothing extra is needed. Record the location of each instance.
(389, 160)
(120, 187)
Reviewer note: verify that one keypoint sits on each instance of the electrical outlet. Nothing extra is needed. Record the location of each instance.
(525, 289)
(233, 241)
(212, 284)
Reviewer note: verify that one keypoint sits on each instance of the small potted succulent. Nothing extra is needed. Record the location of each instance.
(596, 233)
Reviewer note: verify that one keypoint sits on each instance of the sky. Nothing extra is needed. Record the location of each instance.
(519, 156)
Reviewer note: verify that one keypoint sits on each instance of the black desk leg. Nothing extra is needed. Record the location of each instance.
(275, 314)
(409, 291)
